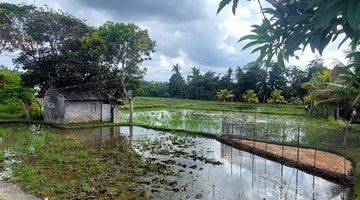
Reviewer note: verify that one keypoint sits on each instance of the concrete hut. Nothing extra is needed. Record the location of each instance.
(79, 105)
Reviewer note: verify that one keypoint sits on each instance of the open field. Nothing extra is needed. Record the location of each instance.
(178, 116)
(166, 103)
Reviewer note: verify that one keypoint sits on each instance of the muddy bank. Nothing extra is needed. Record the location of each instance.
(327, 165)
(12, 192)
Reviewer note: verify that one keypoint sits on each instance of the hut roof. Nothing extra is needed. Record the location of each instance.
(82, 93)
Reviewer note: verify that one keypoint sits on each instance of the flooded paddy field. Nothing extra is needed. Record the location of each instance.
(271, 128)
(202, 168)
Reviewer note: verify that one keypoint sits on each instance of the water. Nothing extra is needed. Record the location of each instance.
(209, 169)
(272, 128)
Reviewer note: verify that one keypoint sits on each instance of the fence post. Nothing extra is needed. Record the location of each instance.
(254, 137)
(298, 142)
(344, 144)
(283, 140)
(266, 135)
(232, 126)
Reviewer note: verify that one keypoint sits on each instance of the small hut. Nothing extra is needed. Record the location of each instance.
(79, 105)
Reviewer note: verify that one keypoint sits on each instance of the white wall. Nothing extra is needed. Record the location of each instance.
(82, 111)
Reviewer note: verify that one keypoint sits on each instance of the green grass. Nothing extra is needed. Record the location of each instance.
(15, 111)
(166, 103)
(320, 131)
(58, 167)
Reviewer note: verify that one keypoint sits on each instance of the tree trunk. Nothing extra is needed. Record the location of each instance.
(131, 116)
(337, 115)
(27, 111)
(39, 105)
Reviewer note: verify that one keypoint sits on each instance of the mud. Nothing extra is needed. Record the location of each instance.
(329, 165)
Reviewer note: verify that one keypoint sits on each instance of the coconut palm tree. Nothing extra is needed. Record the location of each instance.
(250, 97)
(225, 95)
(276, 97)
(332, 89)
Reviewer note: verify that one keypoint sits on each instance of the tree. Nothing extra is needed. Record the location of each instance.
(154, 89)
(49, 45)
(209, 85)
(250, 97)
(227, 80)
(289, 26)
(276, 97)
(296, 78)
(123, 47)
(176, 83)
(224, 95)
(277, 78)
(12, 89)
(239, 79)
(194, 79)
(294, 25)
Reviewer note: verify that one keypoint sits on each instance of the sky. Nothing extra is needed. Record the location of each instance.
(187, 32)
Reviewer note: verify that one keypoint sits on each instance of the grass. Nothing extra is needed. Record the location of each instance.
(171, 103)
(15, 111)
(320, 132)
(58, 167)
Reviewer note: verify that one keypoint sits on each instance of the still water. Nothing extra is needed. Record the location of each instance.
(272, 128)
(208, 169)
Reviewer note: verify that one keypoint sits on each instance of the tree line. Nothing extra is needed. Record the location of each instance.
(262, 79)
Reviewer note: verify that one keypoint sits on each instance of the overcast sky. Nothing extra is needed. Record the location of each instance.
(187, 32)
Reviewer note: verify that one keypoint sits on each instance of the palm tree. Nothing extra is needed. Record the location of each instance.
(250, 97)
(332, 88)
(276, 97)
(225, 95)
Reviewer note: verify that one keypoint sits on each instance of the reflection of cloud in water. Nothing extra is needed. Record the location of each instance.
(241, 176)
(272, 178)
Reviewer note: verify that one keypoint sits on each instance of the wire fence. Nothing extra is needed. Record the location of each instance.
(296, 142)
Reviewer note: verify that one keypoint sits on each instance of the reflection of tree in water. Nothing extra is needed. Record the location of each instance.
(269, 176)
(96, 137)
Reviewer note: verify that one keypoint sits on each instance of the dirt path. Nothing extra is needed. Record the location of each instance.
(319, 162)
(12, 192)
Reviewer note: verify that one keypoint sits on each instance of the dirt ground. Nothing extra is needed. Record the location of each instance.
(316, 158)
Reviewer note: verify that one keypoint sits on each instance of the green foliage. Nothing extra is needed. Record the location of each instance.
(124, 47)
(250, 97)
(15, 97)
(154, 89)
(176, 83)
(224, 95)
(48, 43)
(293, 25)
(65, 169)
(276, 97)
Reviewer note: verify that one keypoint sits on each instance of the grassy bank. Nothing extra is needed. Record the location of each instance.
(166, 103)
(57, 167)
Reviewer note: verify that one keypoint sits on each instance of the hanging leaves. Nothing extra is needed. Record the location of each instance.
(293, 25)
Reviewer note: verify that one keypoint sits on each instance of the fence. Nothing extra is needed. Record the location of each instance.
(299, 143)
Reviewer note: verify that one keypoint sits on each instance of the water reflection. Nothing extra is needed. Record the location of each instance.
(241, 175)
(260, 126)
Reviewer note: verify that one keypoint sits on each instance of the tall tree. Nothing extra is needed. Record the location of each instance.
(226, 82)
(194, 80)
(239, 82)
(176, 83)
(49, 45)
(277, 79)
(209, 85)
(123, 47)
